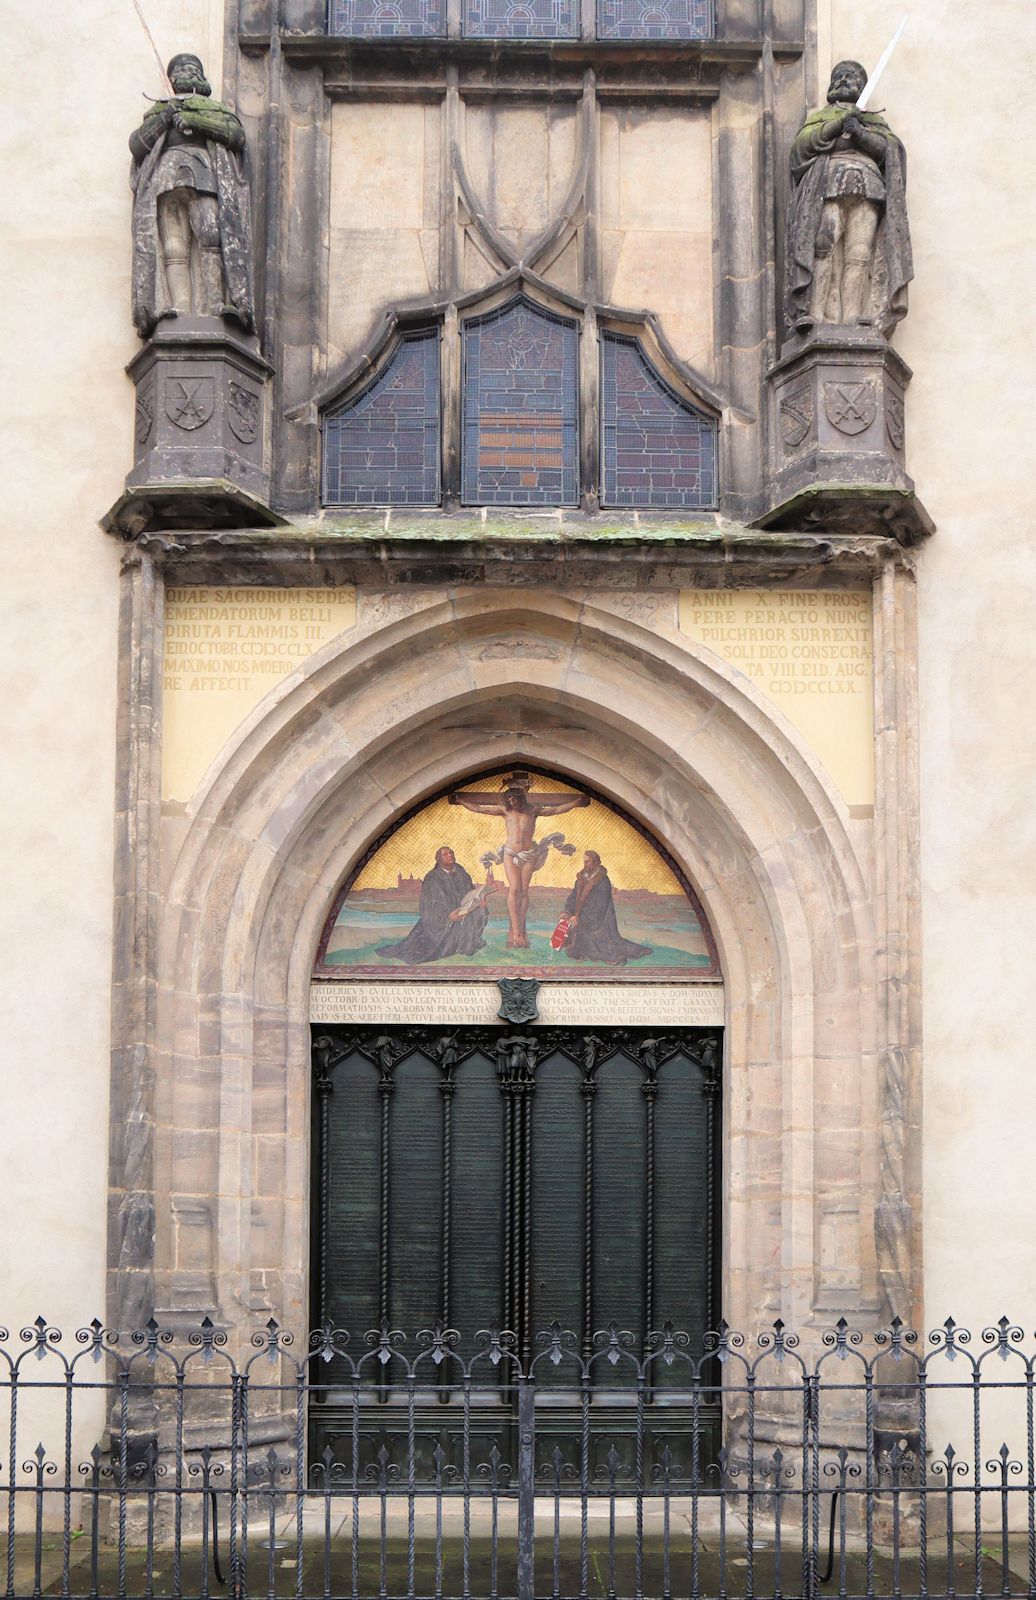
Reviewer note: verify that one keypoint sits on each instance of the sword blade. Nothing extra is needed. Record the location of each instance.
(154, 48)
(872, 82)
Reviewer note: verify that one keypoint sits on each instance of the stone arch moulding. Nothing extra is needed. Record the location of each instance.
(373, 725)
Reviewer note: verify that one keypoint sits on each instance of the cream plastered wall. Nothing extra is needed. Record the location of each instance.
(971, 339)
(75, 82)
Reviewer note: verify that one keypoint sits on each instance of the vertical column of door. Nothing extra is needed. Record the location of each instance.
(525, 1103)
(588, 1088)
(322, 1088)
(447, 1061)
(710, 1068)
(508, 1208)
(383, 1049)
(649, 1063)
(516, 1065)
(447, 1053)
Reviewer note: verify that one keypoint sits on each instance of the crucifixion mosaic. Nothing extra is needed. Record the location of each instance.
(517, 875)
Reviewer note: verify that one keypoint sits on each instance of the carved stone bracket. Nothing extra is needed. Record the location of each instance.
(200, 428)
(838, 436)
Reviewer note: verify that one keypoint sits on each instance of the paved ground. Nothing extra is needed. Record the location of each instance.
(743, 1572)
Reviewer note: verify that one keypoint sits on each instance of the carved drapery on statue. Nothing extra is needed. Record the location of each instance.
(848, 256)
(192, 234)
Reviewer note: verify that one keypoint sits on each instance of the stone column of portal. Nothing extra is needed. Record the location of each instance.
(131, 1150)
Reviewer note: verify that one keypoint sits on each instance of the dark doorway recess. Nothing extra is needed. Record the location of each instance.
(479, 1178)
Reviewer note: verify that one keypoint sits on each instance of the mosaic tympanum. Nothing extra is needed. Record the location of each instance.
(516, 874)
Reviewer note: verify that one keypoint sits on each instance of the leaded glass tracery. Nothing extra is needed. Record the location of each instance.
(382, 448)
(658, 450)
(521, 433)
(386, 19)
(521, 19)
(654, 19)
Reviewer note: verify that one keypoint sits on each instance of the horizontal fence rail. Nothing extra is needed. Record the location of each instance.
(165, 1462)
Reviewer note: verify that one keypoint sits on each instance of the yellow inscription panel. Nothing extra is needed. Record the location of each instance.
(224, 650)
(810, 650)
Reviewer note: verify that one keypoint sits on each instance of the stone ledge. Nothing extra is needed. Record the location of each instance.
(212, 503)
(663, 555)
(864, 510)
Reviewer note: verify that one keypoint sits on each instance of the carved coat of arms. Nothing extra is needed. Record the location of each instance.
(145, 414)
(851, 406)
(796, 416)
(190, 402)
(894, 421)
(518, 999)
(243, 412)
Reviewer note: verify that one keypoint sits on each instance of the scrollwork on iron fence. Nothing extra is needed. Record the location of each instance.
(786, 1463)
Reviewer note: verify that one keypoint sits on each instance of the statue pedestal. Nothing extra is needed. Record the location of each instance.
(200, 435)
(837, 435)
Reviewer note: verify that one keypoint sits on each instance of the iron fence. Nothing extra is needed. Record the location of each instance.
(161, 1463)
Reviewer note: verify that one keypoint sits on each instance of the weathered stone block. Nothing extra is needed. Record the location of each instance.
(837, 437)
(200, 414)
(837, 413)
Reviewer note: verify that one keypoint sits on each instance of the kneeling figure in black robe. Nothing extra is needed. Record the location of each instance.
(593, 932)
(441, 928)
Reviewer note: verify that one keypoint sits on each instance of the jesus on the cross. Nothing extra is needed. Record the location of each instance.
(521, 854)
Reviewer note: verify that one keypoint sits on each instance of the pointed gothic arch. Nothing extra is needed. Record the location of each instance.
(370, 727)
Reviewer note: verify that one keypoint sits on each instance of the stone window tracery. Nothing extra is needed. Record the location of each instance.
(519, 411)
(657, 450)
(520, 408)
(385, 19)
(521, 19)
(654, 19)
(382, 446)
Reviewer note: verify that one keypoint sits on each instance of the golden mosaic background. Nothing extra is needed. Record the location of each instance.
(632, 862)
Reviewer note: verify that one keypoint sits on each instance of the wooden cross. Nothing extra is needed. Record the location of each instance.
(518, 780)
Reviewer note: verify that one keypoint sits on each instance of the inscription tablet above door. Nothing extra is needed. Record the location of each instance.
(517, 873)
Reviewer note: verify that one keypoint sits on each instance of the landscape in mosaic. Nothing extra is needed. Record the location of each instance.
(517, 874)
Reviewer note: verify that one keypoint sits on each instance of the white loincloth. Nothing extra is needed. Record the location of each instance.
(536, 853)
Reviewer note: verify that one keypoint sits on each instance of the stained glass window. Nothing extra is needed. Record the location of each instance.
(382, 448)
(520, 400)
(654, 19)
(521, 19)
(385, 19)
(658, 450)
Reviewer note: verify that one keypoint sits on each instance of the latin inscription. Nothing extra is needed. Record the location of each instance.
(224, 650)
(560, 1004)
(810, 650)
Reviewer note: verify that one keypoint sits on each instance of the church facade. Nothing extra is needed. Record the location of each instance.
(516, 533)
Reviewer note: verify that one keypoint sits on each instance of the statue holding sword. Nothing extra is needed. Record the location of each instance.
(192, 241)
(848, 258)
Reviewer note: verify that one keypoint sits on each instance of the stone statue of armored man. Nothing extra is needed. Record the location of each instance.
(192, 236)
(848, 259)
